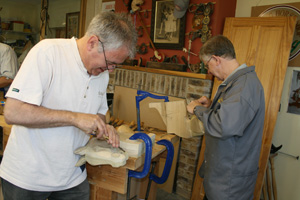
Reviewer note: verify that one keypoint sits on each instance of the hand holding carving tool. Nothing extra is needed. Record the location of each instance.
(105, 137)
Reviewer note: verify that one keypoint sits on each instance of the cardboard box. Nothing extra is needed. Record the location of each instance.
(18, 26)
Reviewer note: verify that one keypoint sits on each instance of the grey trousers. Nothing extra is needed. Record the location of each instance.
(12, 192)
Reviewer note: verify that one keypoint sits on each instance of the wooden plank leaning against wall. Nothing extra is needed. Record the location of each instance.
(265, 43)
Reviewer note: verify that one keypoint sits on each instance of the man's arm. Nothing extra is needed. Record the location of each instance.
(33, 116)
(4, 81)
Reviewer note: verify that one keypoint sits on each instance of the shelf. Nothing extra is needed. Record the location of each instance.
(169, 72)
(17, 32)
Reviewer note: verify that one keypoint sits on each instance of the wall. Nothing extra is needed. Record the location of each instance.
(30, 13)
(20, 12)
(58, 9)
(12, 11)
(287, 127)
(216, 24)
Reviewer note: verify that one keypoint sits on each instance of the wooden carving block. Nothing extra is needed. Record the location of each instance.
(174, 115)
(99, 152)
(134, 148)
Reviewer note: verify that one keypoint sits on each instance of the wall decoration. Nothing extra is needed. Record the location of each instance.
(201, 20)
(287, 10)
(108, 6)
(72, 24)
(167, 32)
(294, 98)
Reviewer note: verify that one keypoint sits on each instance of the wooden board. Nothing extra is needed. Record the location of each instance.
(100, 193)
(166, 66)
(124, 107)
(169, 72)
(107, 177)
(265, 43)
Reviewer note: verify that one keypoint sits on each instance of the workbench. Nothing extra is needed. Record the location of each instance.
(107, 182)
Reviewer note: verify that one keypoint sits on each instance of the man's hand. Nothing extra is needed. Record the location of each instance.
(203, 101)
(94, 124)
(91, 124)
(113, 137)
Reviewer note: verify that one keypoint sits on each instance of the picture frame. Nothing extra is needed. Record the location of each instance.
(294, 95)
(108, 5)
(167, 32)
(72, 24)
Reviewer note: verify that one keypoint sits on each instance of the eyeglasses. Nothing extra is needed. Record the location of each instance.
(113, 64)
(206, 65)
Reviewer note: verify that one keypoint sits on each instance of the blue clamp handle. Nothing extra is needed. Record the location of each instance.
(141, 96)
(168, 164)
(148, 155)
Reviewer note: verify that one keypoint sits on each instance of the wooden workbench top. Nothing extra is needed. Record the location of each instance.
(115, 179)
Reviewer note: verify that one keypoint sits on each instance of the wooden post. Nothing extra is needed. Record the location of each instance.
(269, 183)
(198, 189)
(44, 10)
(274, 186)
(82, 18)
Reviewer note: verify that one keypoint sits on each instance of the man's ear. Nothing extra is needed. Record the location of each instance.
(92, 42)
(218, 59)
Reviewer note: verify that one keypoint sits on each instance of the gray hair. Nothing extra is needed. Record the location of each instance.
(219, 46)
(114, 30)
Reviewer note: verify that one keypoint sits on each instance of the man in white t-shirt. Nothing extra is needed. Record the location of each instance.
(55, 102)
(8, 65)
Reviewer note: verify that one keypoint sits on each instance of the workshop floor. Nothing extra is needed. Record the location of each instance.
(163, 195)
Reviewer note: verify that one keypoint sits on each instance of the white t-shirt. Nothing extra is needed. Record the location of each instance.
(53, 76)
(8, 62)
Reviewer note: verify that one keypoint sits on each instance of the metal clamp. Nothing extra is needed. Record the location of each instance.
(168, 164)
(147, 163)
(141, 96)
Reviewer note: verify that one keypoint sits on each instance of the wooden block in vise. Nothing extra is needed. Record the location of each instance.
(134, 148)
(174, 115)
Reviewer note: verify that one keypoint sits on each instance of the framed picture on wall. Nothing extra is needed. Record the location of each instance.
(167, 32)
(108, 5)
(72, 24)
(294, 97)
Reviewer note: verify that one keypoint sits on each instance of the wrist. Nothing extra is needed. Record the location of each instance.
(194, 110)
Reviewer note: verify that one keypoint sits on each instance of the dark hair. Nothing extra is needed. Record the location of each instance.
(219, 46)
